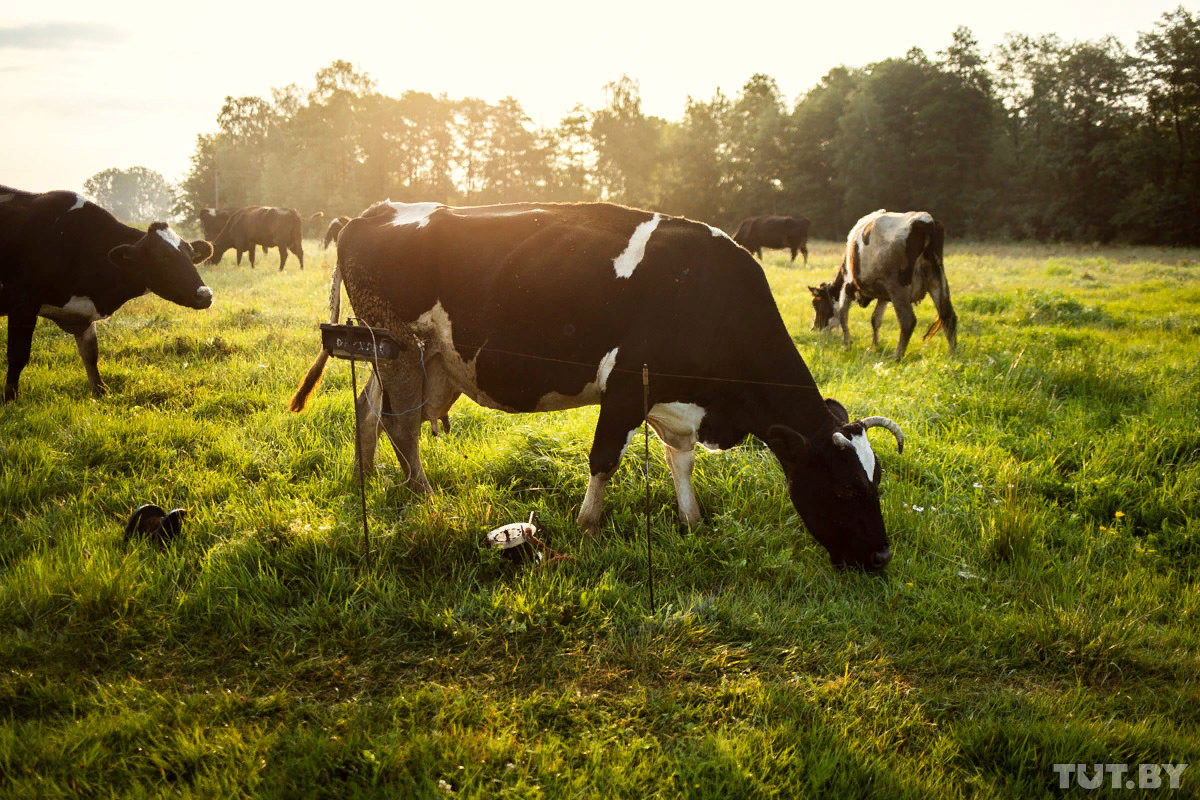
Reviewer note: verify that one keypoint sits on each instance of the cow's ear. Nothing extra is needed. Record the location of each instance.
(201, 250)
(837, 409)
(815, 291)
(790, 447)
(122, 256)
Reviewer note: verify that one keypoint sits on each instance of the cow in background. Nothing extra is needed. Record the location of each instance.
(72, 262)
(890, 258)
(212, 220)
(783, 233)
(542, 307)
(335, 228)
(262, 225)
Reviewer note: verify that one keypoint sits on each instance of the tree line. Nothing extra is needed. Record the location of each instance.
(1043, 139)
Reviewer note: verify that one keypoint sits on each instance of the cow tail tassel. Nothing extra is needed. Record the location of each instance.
(934, 328)
(300, 398)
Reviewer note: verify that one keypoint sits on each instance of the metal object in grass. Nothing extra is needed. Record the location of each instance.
(355, 342)
(153, 522)
(518, 542)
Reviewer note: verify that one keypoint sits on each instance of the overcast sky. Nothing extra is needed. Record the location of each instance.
(85, 86)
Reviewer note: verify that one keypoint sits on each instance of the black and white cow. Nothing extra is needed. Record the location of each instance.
(543, 307)
(889, 257)
(72, 262)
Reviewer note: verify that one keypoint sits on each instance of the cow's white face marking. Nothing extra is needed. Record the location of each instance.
(635, 251)
(170, 237)
(866, 455)
(408, 213)
(79, 201)
(718, 232)
(77, 309)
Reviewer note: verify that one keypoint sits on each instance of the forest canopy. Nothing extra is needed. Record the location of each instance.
(1041, 139)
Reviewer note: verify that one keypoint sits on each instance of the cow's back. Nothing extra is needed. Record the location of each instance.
(526, 300)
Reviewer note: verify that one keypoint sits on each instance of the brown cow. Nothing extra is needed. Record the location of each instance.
(785, 233)
(262, 225)
(212, 220)
(335, 228)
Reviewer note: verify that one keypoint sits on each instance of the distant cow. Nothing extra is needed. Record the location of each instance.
(212, 220)
(73, 263)
(890, 257)
(783, 233)
(335, 228)
(530, 307)
(262, 225)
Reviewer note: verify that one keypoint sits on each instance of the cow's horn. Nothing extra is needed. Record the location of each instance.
(884, 422)
(841, 441)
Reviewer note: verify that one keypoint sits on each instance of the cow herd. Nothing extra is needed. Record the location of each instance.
(537, 307)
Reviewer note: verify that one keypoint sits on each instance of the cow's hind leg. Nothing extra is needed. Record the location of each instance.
(682, 462)
(21, 322)
(877, 319)
(282, 256)
(367, 408)
(298, 249)
(403, 385)
(614, 430)
(907, 319)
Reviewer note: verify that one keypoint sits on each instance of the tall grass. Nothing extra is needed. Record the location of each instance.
(1041, 607)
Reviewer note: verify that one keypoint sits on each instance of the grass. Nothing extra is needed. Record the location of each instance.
(1041, 607)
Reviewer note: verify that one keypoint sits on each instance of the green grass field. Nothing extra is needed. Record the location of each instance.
(1041, 607)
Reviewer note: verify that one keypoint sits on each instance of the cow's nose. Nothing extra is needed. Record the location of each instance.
(880, 559)
(203, 297)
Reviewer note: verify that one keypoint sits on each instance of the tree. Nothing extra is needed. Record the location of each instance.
(136, 194)
(626, 143)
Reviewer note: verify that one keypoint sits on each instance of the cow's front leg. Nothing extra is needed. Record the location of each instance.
(843, 318)
(251, 254)
(21, 322)
(299, 251)
(282, 256)
(877, 320)
(89, 352)
(681, 463)
(614, 431)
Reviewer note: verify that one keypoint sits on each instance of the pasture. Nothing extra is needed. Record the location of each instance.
(1041, 607)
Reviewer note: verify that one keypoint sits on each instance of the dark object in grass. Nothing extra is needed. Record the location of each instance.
(152, 522)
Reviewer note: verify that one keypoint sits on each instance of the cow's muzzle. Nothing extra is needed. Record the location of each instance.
(203, 297)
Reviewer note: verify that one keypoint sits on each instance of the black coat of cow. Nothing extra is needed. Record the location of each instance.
(335, 227)
(212, 221)
(73, 263)
(544, 307)
(782, 233)
(267, 226)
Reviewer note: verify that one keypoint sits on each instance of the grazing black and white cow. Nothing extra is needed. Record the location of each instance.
(543, 307)
(890, 257)
(72, 262)
(783, 233)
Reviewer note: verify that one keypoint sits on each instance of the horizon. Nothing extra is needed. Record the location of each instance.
(75, 105)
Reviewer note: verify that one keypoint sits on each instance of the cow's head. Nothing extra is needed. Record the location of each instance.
(824, 307)
(833, 479)
(166, 265)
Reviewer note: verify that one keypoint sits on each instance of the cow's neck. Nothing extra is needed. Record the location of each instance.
(111, 286)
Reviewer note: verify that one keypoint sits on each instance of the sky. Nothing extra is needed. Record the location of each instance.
(85, 86)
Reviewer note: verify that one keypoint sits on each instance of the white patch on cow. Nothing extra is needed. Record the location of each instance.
(678, 424)
(4, 198)
(635, 251)
(718, 232)
(204, 292)
(628, 441)
(589, 395)
(606, 366)
(408, 213)
(77, 309)
(170, 237)
(79, 201)
(865, 454)
(437, 331)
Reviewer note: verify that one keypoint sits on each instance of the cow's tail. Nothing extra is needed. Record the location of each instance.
(316, 215)
(947, 319)
(317, 370)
